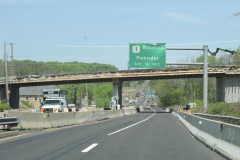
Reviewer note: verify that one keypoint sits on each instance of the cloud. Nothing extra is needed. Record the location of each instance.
(184, 18)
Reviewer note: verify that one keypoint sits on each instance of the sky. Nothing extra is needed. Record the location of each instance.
(99, 31)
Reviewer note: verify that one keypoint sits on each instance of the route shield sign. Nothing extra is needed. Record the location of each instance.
(147, 55)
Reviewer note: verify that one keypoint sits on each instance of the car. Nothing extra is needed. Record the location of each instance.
(147, 107)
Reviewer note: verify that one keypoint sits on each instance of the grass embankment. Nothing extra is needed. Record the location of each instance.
(26, 103)
(222, 109)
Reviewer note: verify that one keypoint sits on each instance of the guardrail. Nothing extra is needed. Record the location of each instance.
(226, 119)
(9, 122)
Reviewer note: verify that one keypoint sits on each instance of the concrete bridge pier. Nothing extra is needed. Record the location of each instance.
(220, 89)
(228, 88)
(2, 94)
(14, 97)
(117, 90)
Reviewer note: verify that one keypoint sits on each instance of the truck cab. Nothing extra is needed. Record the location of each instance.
(54, 104)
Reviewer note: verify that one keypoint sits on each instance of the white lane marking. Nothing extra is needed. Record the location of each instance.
(132, 124)
(89, 148)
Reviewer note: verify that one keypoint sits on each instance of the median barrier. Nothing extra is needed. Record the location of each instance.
(221, 137)
(114, 113)
(97, 109)
(99, 115)
(34, 120)
(42, 120)
(30, 120)
(129, 111)
(2, 114)
(62, 119)
(209, 126)
(84, 117)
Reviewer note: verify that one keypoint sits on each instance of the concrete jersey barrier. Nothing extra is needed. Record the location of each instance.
(30, 120)
(33, 120)
(222, 137)
(127, 112)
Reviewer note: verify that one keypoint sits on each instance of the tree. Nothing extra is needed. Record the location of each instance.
(212, 60)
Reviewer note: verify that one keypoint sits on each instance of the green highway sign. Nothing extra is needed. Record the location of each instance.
(150, 93)
(147, 55)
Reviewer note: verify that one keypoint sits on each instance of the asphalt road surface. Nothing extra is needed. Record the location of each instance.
(143, 136)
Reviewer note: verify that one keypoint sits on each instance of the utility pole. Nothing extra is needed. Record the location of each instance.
(95, 93)
(6, 72)
(86, 104)
(12, 65)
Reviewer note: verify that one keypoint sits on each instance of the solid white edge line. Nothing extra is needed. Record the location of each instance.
(132, 124)
(89, 148)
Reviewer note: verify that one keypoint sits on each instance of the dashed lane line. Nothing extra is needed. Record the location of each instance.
(89, 148)
(132, 124)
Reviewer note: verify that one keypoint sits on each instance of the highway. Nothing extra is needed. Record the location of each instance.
(148, 135)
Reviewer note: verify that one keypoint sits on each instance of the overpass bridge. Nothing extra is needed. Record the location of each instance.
(227, 79)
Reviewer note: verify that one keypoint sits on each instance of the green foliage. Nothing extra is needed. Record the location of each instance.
(219, 108)
(170, 92)
(4, 106)
(103, 93)
(212, 60)
(236, 59)
(199, 102)
(27, 104)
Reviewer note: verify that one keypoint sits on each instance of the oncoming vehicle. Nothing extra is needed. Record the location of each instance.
(147, 107)
(152, 104)
(54, 104)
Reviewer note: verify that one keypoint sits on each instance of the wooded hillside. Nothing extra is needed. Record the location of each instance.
(28, 67)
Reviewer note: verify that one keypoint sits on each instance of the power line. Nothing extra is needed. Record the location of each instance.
(224, 50)
(125, 46)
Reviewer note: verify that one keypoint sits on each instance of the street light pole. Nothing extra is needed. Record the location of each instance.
(205, 78)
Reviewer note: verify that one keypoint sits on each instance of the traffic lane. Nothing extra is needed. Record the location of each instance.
(155, 109)
(63, 144)
(162, 137)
